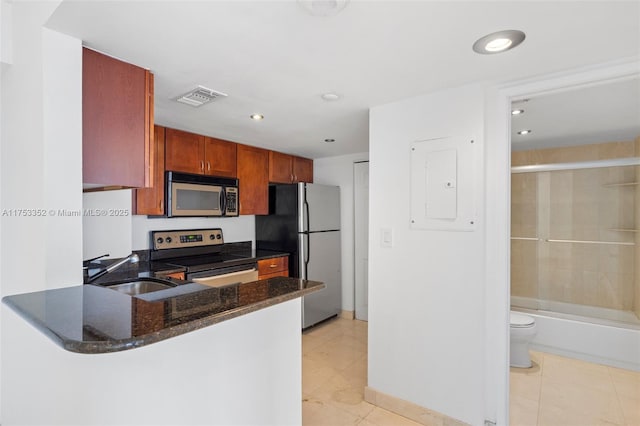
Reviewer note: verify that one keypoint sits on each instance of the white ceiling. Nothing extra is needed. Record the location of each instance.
(274, 58)
(608, 112)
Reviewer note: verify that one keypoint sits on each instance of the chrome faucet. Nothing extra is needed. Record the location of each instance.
(133, 258)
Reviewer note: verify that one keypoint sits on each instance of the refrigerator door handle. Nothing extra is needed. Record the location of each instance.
(306, 212)
(307, 256)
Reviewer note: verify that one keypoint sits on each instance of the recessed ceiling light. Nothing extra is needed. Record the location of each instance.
(517, 112)
(323, 7)
(256, 117)
(329, 140)
(330, 96)
(497, 42)
(524, 132)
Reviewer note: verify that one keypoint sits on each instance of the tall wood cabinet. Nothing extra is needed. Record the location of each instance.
(192, 153)
(117, 123)
(150, 201)
(253, 175)
(285, 168)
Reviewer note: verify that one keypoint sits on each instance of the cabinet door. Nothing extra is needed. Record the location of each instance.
(184, 152)
(220, 157)
(253, 174)
(280, 168)
(302, 170)
(150, 201)
(117, 109)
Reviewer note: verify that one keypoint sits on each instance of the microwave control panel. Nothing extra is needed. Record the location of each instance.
(231, 208)
(162, 240)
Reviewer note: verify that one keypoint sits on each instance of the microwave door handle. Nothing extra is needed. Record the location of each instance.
(223, 201)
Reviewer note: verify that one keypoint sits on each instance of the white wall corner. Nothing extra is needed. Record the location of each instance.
(6, 32)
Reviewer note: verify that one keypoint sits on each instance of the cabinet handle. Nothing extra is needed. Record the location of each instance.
(295, 178)
(202, 165)
(272, 265)
(161, 204)
(208, 166)
(291, 177)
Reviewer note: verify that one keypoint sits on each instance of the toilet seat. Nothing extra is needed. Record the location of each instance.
(517, 320)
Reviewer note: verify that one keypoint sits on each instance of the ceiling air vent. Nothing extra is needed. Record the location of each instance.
(200, 96)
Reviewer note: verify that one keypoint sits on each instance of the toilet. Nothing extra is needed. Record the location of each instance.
(523, 329)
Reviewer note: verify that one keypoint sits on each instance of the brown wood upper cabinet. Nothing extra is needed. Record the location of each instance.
(117, 123)
(285, 168)
(253, 177)
(150, 201)
(192, 153)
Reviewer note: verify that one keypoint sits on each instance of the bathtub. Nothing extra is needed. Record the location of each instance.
(600, 335)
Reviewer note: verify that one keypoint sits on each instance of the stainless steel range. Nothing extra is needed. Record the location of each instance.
(205, 256)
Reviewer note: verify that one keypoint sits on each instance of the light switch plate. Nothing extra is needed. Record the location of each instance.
(386, 237)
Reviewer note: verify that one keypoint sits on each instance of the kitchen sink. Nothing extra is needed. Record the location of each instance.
(134, 288)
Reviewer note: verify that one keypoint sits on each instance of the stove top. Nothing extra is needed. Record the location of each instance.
(210, 261)
(199, 250)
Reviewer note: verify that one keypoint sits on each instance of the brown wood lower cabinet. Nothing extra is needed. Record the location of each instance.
(176, 275)
(273, 267)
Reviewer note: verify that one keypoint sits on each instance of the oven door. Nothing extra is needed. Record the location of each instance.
(192, 199)
(234, 277)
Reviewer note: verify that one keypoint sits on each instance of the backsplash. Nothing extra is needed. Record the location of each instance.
(234, 229)
(118, 233)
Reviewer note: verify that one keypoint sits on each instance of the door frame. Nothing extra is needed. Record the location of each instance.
(355, 239)
(498, 211)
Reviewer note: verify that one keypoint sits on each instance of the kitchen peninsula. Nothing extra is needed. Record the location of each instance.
(227, 355)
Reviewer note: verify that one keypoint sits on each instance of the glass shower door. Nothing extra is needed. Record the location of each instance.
(524, 240)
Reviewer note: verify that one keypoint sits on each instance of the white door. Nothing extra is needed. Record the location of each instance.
(361, 215)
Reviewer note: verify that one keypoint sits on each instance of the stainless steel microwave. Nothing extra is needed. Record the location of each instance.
(199, 195)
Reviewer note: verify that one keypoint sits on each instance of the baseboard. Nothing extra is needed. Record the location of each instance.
(407, 409)
(348, 315)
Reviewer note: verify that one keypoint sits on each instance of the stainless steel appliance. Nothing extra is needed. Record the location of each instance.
(304, 220)
(199, 195)
(205, 256)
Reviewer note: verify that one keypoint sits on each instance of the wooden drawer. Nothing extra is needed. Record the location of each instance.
(276, 264)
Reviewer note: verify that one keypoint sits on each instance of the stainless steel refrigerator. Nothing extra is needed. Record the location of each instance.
(304, 221)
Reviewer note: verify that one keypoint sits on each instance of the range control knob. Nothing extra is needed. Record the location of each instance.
(160, 240)
(219, 236)
(168, 240)
(212, 236)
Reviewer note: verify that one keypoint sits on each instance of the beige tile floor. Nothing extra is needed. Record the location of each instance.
(557, 391)
(561, 391)
(334, 374)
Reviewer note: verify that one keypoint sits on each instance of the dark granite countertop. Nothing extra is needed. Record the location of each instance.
(93, 319)
(150, 269)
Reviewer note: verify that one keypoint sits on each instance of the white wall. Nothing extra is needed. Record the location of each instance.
(245, 371)
(41, 152)
(426, 294)
(339, 171)
(234, 229)
(119, 235)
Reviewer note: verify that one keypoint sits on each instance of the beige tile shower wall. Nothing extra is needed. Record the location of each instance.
(524, 223)
(599, 151)
(577, 205)
(636, 304)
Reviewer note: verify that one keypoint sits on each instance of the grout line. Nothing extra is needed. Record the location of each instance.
(615, 390)
(540, 390)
